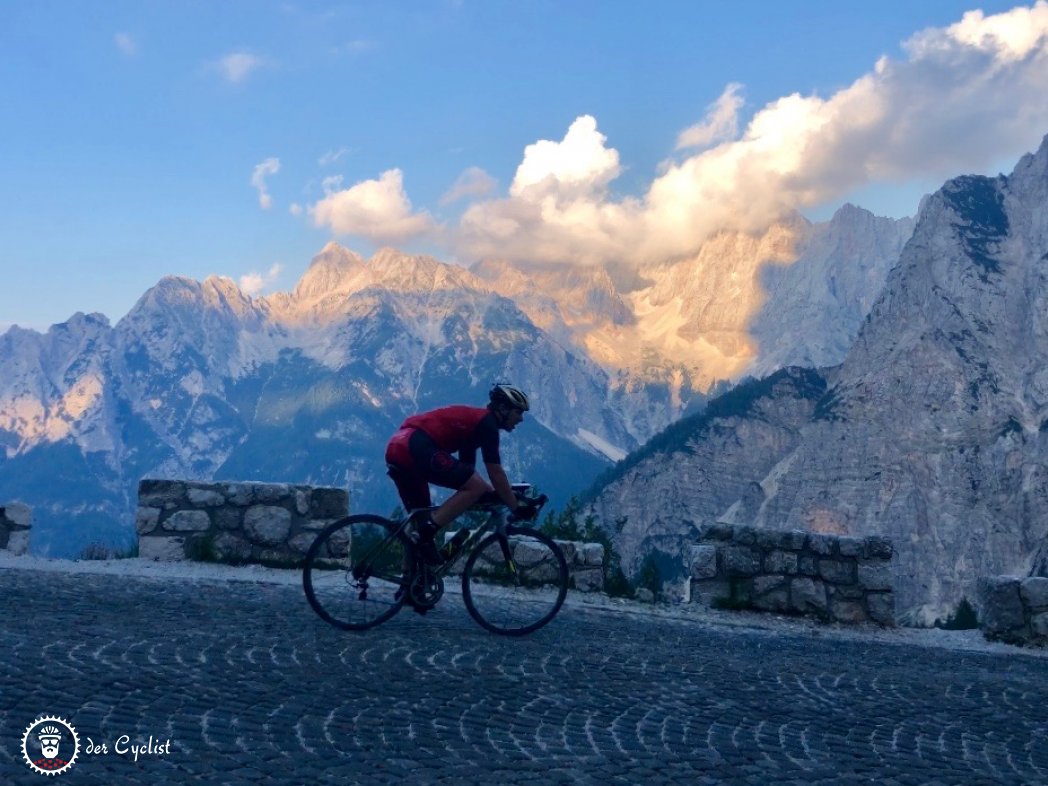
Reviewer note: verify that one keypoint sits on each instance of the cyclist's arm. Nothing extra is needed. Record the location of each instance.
(500, 483)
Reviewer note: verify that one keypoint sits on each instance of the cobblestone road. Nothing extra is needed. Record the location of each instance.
(250, 687)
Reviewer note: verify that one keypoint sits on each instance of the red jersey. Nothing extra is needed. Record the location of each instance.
(462, 429)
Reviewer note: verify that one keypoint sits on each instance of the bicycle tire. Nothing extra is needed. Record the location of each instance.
(383, 558)
(504, 601)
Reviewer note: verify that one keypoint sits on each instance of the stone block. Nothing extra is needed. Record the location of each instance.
(837, 571)
(807, 596)
(1034, 592)
(1001, 607)
(329, 503)
(166, 494)
(592, 554)
(823, 545)
(242, 494)
(715, 531)
(570, 549)
(187, 521)
(301, 542)
(146, 520)
(702, 561)
(267, 525)
(846, 591)
(740, 561)
(788, 540)
(806, 565)
(228, 517)
(229, 547)
(18, 514)
(272, 492)
(747, 536)
(780, 562)
(532, 559)
(204, 497)
(676, 591)
(162, 548)
(879, 547)
(877, 576)
(18, 542)
(881, 608)
(848, 611)
(851, 547)
(589, 579)
(771, 593)
(707, 591)
(302, 496)
(1039, 625)
(339, 543)
(315, 525)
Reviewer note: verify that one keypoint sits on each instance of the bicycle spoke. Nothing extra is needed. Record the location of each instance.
(354, 574)
(518, 595)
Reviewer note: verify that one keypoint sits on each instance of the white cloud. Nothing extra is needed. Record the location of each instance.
(253, 283)
(720, 124)
(578, 165)
(961, 98)
(295, 209)
(473, 182)
(126, 43)
(375, 209)
(333, 156)
(237, 66)
(258, 179)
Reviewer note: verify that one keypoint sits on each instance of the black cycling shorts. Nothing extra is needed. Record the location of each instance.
(426, 463)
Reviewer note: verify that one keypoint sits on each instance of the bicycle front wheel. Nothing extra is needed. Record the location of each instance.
(357, 572)
(515, 586)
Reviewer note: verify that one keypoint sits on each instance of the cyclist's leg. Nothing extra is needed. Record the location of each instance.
(464, 497)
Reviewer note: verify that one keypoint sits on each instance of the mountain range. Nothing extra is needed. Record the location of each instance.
(933, 430)
(201, 381)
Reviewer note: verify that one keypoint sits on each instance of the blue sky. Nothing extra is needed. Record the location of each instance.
(149, 138)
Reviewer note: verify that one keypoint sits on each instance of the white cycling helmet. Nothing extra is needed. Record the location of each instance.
(507, 394)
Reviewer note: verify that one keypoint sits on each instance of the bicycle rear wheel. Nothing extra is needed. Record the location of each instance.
(357, 572)
(517, 595)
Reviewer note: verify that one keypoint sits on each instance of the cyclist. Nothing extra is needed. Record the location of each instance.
(420, 454)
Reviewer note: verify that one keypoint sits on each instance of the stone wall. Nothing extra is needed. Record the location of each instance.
(834, 578)
(1014, 609)
(233, 521)
(585, 563)
(16, 521)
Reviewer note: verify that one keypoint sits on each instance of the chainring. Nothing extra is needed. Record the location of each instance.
(426, 589)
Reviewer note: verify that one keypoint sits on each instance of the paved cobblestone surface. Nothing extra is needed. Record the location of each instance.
(250, 687)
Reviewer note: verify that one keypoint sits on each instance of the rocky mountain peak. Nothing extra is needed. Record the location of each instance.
(332, 271)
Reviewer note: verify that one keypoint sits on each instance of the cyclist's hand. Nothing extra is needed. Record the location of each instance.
(527, 510)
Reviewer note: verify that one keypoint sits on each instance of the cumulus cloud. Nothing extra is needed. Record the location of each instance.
(960, 98)
(720, 124)
(253, 283)
(126, 43)
(258, 179)
(378, 210)
(474, 182)
(238, 66)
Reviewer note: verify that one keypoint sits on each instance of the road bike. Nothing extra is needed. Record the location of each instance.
(362, 569)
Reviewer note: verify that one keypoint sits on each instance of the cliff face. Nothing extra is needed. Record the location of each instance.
(934, 430)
